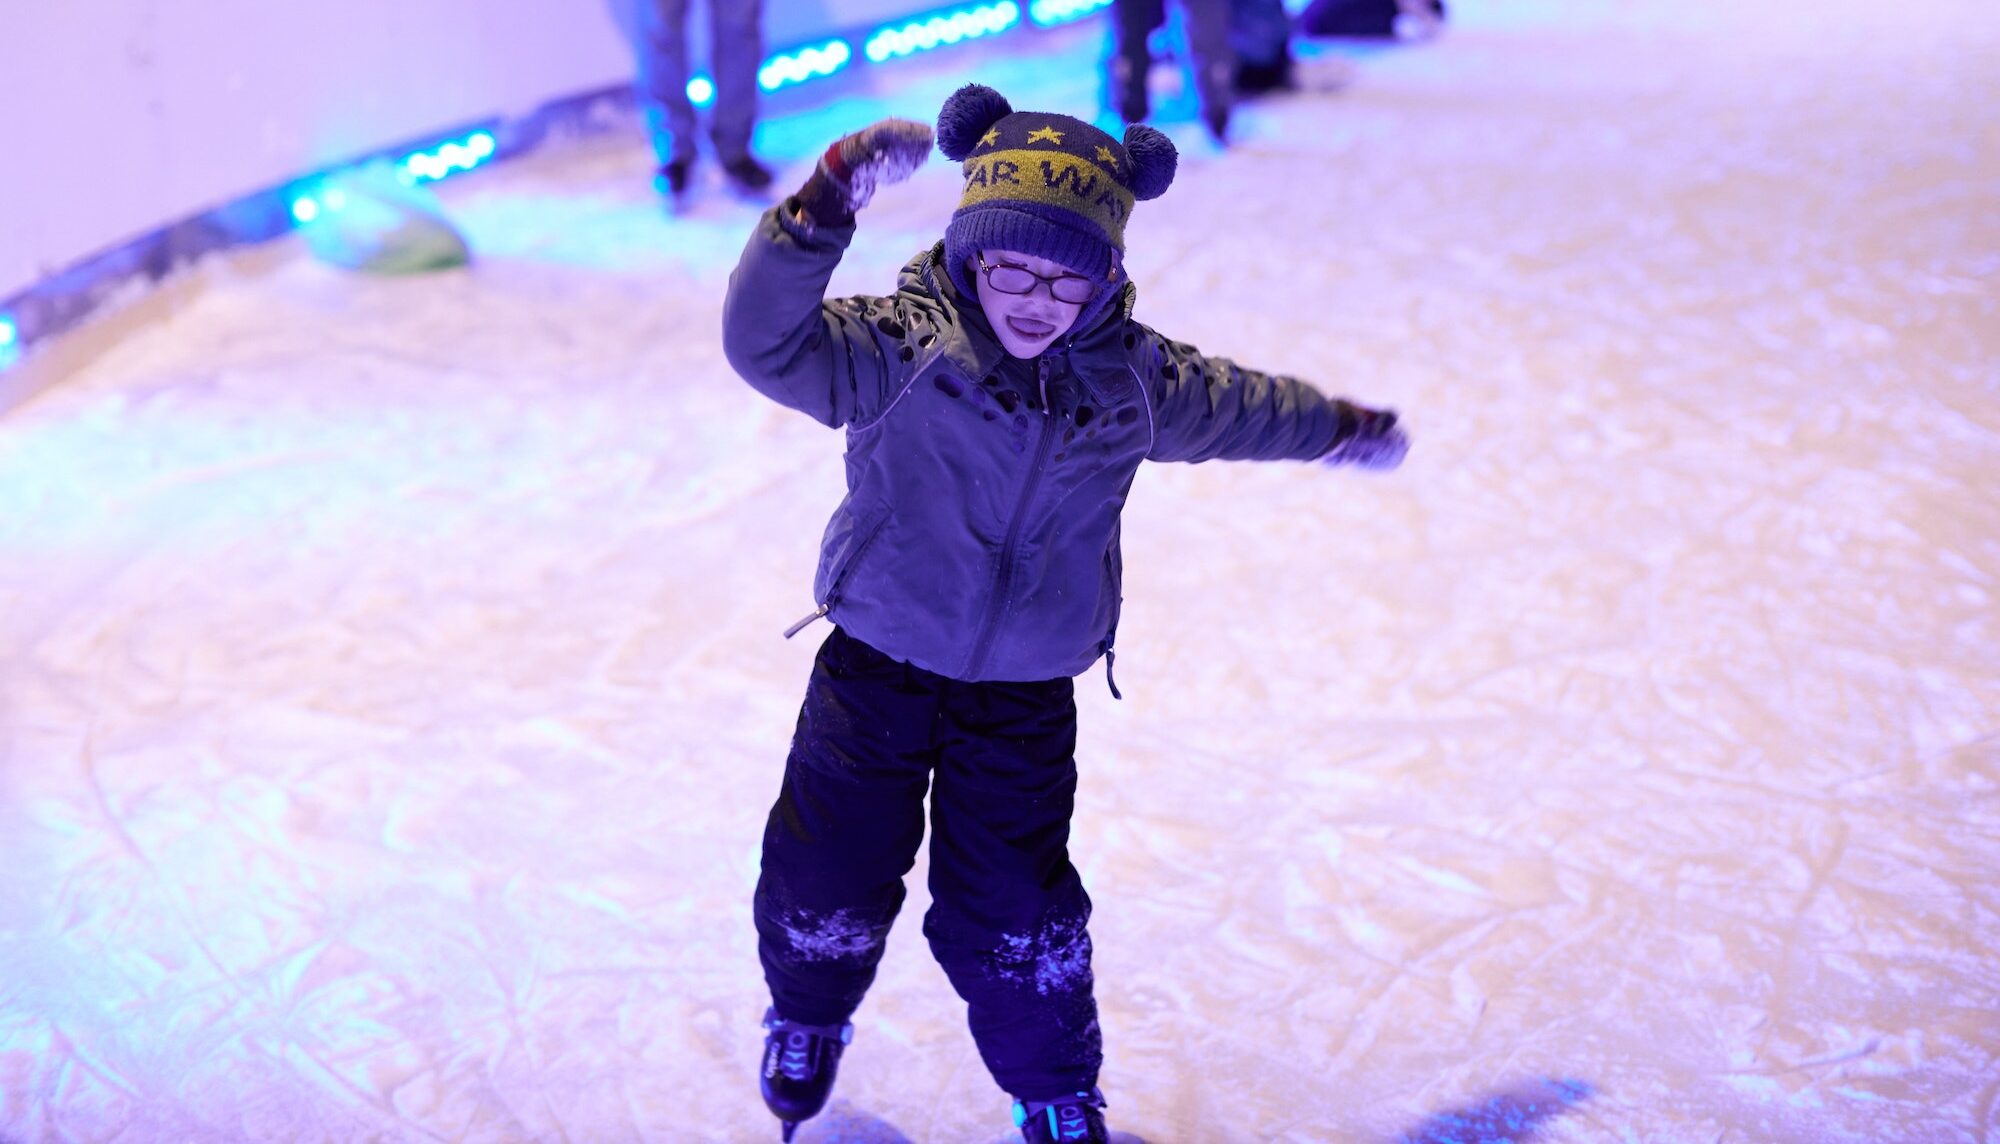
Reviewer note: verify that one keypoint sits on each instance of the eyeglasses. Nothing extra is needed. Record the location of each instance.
(1072, 288)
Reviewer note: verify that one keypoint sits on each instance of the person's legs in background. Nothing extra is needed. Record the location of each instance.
(738, 54)
(1132, 22)
(1211, 60)
(661, 27)
(1261, 33)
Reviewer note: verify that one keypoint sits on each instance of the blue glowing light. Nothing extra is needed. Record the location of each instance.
(798, 66)
(449, 156)
(701, 91)
(940, 29)
(305, 208)
(8, 333)
(1047, 13)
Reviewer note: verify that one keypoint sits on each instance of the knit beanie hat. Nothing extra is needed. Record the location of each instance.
(1047, 185)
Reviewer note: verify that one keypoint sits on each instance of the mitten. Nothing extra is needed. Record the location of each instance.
(1369, 438)
(883, 152)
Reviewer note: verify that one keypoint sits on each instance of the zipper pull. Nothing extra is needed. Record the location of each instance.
(795, 629)
(1110, 657)
(1042, 379)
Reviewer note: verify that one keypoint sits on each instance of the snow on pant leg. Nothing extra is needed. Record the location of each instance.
(1009, 914)
(737, 53)
(1131, 59)
(845, 829)
(1210, 56)
(663, 77)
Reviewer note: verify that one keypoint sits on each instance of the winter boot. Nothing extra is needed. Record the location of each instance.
(746, 172)
(1217, 121)
(673, 177)
(1212, 89)
(1257, 77)
(799, 1063)
(1074, 1119)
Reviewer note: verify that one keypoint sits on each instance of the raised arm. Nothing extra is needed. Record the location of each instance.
(779, 330)
(1210, 408)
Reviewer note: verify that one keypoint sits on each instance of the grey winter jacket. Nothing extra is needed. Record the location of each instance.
(979, 535)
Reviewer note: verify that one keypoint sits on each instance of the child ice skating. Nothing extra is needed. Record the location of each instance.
(997, 407)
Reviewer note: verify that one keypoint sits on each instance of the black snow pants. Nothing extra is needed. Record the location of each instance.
(1008, 913)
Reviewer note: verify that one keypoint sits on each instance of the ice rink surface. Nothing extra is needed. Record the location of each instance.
(391, 689)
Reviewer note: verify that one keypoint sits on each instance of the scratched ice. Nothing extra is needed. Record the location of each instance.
(391, 697)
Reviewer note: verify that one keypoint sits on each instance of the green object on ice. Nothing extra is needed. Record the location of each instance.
(369, 219)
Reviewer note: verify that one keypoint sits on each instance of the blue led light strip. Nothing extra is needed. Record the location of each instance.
(1048, 13)
(782, 69)
(445, 158)
(425, 165)
(802, 64)
(940, 29)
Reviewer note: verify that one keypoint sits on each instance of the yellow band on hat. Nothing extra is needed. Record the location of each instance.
(1050, 178)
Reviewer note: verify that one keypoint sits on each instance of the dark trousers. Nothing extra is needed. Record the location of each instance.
(1008, 914)
(1211, 61)
(736, 50)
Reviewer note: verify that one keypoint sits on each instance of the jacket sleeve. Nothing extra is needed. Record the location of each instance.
(826, 358)
(1210, 408)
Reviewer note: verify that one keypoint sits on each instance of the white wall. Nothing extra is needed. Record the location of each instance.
(117, 116)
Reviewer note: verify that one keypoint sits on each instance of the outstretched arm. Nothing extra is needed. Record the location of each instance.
(778, 329)
(1210, 408)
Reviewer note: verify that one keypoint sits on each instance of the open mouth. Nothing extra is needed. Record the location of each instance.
(1030, 328)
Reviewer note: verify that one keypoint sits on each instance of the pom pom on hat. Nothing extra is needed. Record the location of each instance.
(971, 111)
(1154, 161)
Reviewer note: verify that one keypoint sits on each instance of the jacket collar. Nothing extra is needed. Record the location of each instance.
(1097, 355)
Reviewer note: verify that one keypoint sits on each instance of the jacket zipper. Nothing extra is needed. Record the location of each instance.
(833, 590)
(1004, 575)
(800, 626)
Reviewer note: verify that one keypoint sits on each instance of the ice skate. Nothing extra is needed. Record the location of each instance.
(1074, 1119)
(799, 1066)
(746, 173)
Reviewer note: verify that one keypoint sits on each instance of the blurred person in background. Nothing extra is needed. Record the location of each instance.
(1260, 32)
(1373, 19)
(1211, 60)
(736, 51)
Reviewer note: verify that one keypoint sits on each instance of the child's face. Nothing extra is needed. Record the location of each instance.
(1028, 323)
